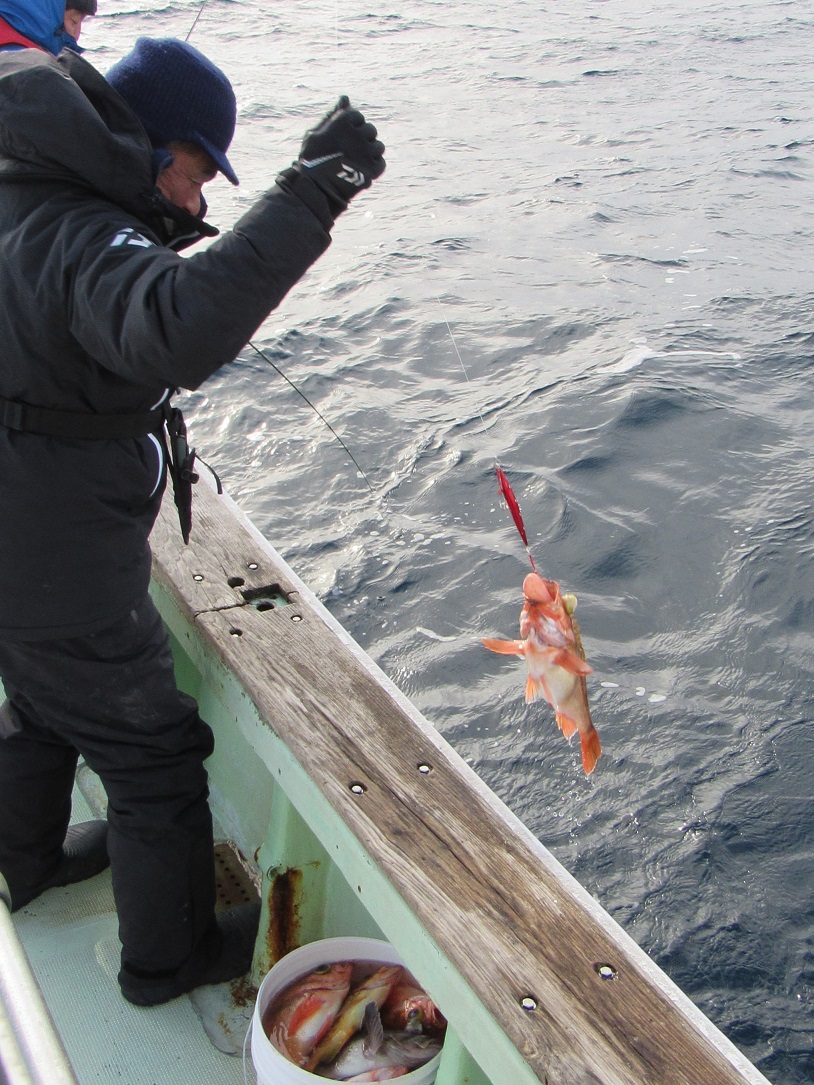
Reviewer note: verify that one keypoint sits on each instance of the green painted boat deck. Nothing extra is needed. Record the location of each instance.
(71, 938)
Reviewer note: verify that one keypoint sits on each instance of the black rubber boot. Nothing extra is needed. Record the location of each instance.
(84, 854)
(228, 954)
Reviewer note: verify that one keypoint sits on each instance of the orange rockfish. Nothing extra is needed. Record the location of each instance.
(297, 1020)
(556, 662)
(409, 1007)
(371, 991)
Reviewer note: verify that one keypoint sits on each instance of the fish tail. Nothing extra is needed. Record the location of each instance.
(591, 750)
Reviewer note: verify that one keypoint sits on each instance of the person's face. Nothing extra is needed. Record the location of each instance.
(73, 22)
(182, 181)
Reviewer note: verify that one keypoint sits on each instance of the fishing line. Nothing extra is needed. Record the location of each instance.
(197, 17)
(461, 361)
(257, 350)
(315, 409)
(504, 487)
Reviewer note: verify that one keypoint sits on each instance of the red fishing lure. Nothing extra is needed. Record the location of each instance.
(507, 493)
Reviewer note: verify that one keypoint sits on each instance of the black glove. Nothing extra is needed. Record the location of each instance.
(341, 155)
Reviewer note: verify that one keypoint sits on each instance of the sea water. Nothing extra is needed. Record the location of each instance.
(590, 261)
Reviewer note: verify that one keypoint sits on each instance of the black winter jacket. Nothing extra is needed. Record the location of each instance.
(98, 314)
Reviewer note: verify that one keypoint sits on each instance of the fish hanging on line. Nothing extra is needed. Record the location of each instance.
(556, 663)
(552, 647)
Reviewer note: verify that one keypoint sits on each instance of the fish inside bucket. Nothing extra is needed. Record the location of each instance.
(344, 1009)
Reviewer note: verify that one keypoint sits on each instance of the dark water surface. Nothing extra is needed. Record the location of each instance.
(610, 207)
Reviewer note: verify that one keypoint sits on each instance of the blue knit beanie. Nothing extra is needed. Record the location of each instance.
(178, 94)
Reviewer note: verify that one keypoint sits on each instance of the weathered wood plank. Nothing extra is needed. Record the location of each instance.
(503, 911)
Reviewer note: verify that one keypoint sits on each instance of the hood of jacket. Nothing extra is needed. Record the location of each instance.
(61, 121)
(38, 20)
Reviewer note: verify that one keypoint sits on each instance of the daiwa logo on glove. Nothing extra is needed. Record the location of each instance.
(345, 173)
(352, 176)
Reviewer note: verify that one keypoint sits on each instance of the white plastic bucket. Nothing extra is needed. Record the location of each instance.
(271, 1067)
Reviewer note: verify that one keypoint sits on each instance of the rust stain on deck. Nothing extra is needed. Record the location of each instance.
(243, 991)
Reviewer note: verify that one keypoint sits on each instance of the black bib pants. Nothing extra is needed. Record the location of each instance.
(112, 698)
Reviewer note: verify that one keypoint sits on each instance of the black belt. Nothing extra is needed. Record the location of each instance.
(75, 425)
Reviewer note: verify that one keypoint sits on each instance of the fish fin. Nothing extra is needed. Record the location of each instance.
(535, 691)
(570, 661)
(373, 1029)
(565, 724)
(591, 750)
(505, 647)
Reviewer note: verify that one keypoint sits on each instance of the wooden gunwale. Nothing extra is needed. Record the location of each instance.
(502, 912)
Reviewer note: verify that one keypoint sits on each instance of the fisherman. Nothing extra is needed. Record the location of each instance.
(31, 25)
(100, 321)
(76, 11)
